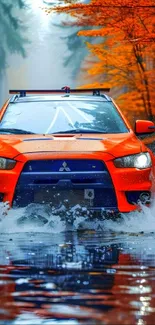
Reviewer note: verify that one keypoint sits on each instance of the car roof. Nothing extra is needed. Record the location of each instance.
(40, 98)
(65, 93)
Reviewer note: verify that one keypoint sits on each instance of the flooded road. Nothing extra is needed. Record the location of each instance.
(103, 274)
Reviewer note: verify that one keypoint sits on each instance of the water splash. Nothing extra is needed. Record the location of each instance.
(134, 222)
(44, 218)
(41, 218)
(30, 219)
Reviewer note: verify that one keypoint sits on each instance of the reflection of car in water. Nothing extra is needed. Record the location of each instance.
(58, 274)
(71, 257)
(60, 147)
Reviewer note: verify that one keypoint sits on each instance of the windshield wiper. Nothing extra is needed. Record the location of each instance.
(79, 131)
(15, 131)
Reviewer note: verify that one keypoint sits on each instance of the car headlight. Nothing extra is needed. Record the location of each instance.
(6, 163)
(139, 161)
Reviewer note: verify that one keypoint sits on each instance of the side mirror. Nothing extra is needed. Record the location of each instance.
(144, 127)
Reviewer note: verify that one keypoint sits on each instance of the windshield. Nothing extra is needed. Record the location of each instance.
(47, 117)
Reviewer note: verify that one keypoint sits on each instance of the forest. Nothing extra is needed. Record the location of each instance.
(122, 53)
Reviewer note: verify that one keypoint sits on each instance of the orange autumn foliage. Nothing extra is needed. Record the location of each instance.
(125, 56)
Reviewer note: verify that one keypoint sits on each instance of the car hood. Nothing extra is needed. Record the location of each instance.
(114, 144)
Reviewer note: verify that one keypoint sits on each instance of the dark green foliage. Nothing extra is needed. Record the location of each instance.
(11, 30)
(77, 50)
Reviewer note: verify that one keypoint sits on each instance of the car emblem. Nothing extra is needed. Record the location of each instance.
(64, 168)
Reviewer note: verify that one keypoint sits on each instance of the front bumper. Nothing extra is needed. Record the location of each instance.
(91, 183)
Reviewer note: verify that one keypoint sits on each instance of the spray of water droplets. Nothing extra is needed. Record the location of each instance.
(43, 218)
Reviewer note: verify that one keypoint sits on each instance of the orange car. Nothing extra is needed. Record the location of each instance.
(63, 148)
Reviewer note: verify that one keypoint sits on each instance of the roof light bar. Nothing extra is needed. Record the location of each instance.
(66, 89)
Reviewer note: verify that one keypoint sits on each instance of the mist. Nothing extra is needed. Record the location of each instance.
(37, 50)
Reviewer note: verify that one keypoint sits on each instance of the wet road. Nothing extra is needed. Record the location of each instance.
(102, 275)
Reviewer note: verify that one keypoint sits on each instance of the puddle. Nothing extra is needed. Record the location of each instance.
(102, 275)
(71, 278)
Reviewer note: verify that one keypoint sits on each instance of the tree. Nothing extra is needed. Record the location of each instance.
(11, 30)
(126, 54)
(77, 51)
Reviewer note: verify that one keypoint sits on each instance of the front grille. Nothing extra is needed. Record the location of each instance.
(74, 165)
(70, 182)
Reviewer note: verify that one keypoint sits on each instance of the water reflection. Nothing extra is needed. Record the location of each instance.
(76, 278)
